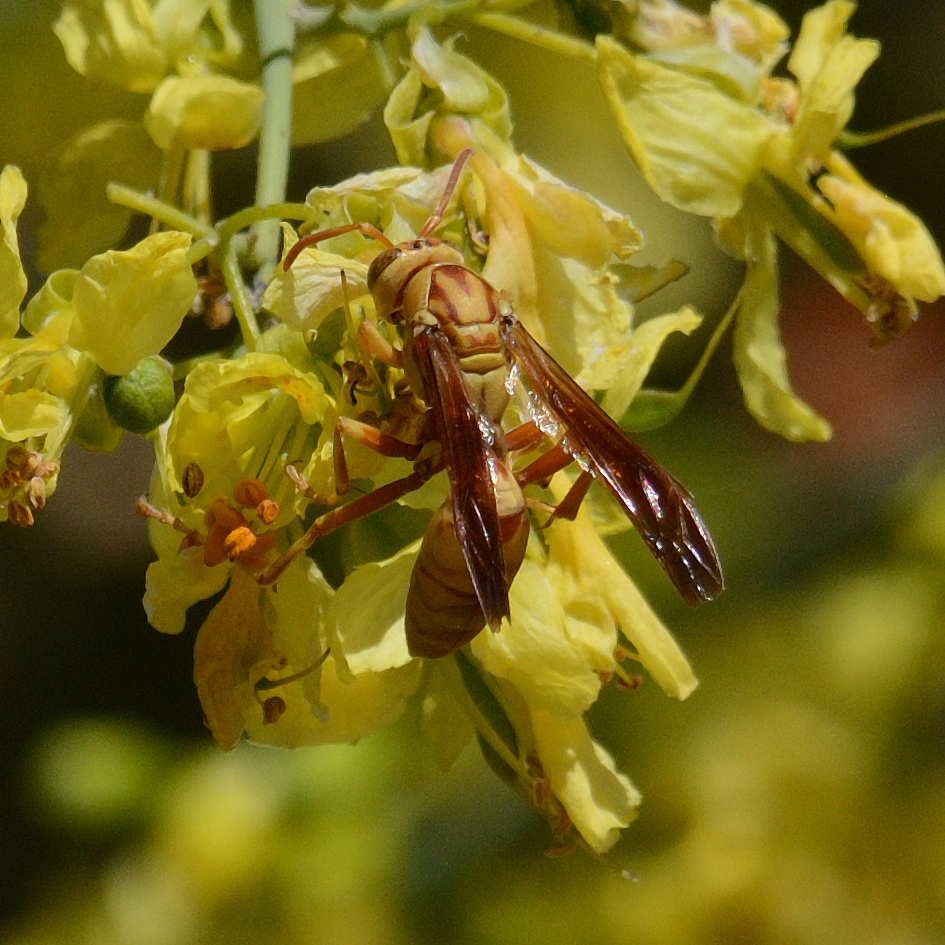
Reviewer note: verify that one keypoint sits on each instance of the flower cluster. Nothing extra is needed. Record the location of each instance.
(306, 644)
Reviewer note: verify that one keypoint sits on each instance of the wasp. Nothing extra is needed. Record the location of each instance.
(462, 348)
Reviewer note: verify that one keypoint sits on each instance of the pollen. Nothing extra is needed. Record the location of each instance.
(267, 510)
(239, 542)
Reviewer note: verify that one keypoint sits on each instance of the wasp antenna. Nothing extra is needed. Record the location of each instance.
(366, 228)
(458, 166)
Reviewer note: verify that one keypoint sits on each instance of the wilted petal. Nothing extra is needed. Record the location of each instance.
(759, 356)
(751, 29)
(828, 64)
(696, 146)
(599, 799)
(233, 651)
(12, 277)
(891, 240)
(129, 304)
(214, 112)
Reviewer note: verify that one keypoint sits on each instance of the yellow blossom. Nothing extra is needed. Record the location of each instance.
(213, 112)
(755, 168)
(113, 40)
(133, 43)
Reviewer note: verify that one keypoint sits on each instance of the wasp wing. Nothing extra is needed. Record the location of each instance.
(661, 510)
(468, 458)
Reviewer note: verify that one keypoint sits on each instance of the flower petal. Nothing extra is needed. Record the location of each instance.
(759, 356)
(364, 623)
(696, 146)
(646, 342)
(336, 87)
(891, 240)
(113, 40)
(129, 304)
(599, 799)
(234, 649)
(215, 112)
(828, 65)
(12, 277)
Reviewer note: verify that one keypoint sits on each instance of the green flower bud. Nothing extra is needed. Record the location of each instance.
(143, 399)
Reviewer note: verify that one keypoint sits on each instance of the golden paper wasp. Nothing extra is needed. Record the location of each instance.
(462, 346)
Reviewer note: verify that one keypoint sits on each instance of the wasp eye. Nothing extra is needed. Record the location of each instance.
(380, 263)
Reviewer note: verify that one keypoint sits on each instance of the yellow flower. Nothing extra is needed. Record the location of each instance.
(44, 387)
(134, 43)
(213, 112)
(113, 40)
(754, 161)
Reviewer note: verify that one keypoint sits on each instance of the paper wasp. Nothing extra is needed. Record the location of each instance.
(461, 339)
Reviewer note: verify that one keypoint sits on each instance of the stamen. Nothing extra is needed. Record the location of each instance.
(19, 514)
(239, 542)
(273, 709)
(192, 480)
(249, 493)
(267, 510)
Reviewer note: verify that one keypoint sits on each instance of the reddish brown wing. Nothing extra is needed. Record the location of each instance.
(466, 456)
(659, 507)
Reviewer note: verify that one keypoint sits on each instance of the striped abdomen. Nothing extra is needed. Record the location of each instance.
(443, 612)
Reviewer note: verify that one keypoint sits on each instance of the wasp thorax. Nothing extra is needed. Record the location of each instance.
(393, 269)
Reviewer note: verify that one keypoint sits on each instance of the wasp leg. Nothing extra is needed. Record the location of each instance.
(523, 437)
(373, 343)
(541, 471)
(335, 518)
(368, 436)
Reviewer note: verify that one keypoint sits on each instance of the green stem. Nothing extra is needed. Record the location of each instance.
(848, 140)
(159, 210)
(197, 185)
(275, 32)
(537, 35)
(172, 168)
(239, 295)
(252, 216)
(371, 22)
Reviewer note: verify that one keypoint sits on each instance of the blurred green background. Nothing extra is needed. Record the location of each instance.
(797, 797)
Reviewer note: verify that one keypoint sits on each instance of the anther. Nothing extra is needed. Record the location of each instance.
(192, 480)
(249, 493)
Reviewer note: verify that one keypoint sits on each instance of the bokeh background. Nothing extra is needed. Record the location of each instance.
(797, 797)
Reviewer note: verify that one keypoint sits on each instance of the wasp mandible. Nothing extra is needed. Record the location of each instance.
(461, 341)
